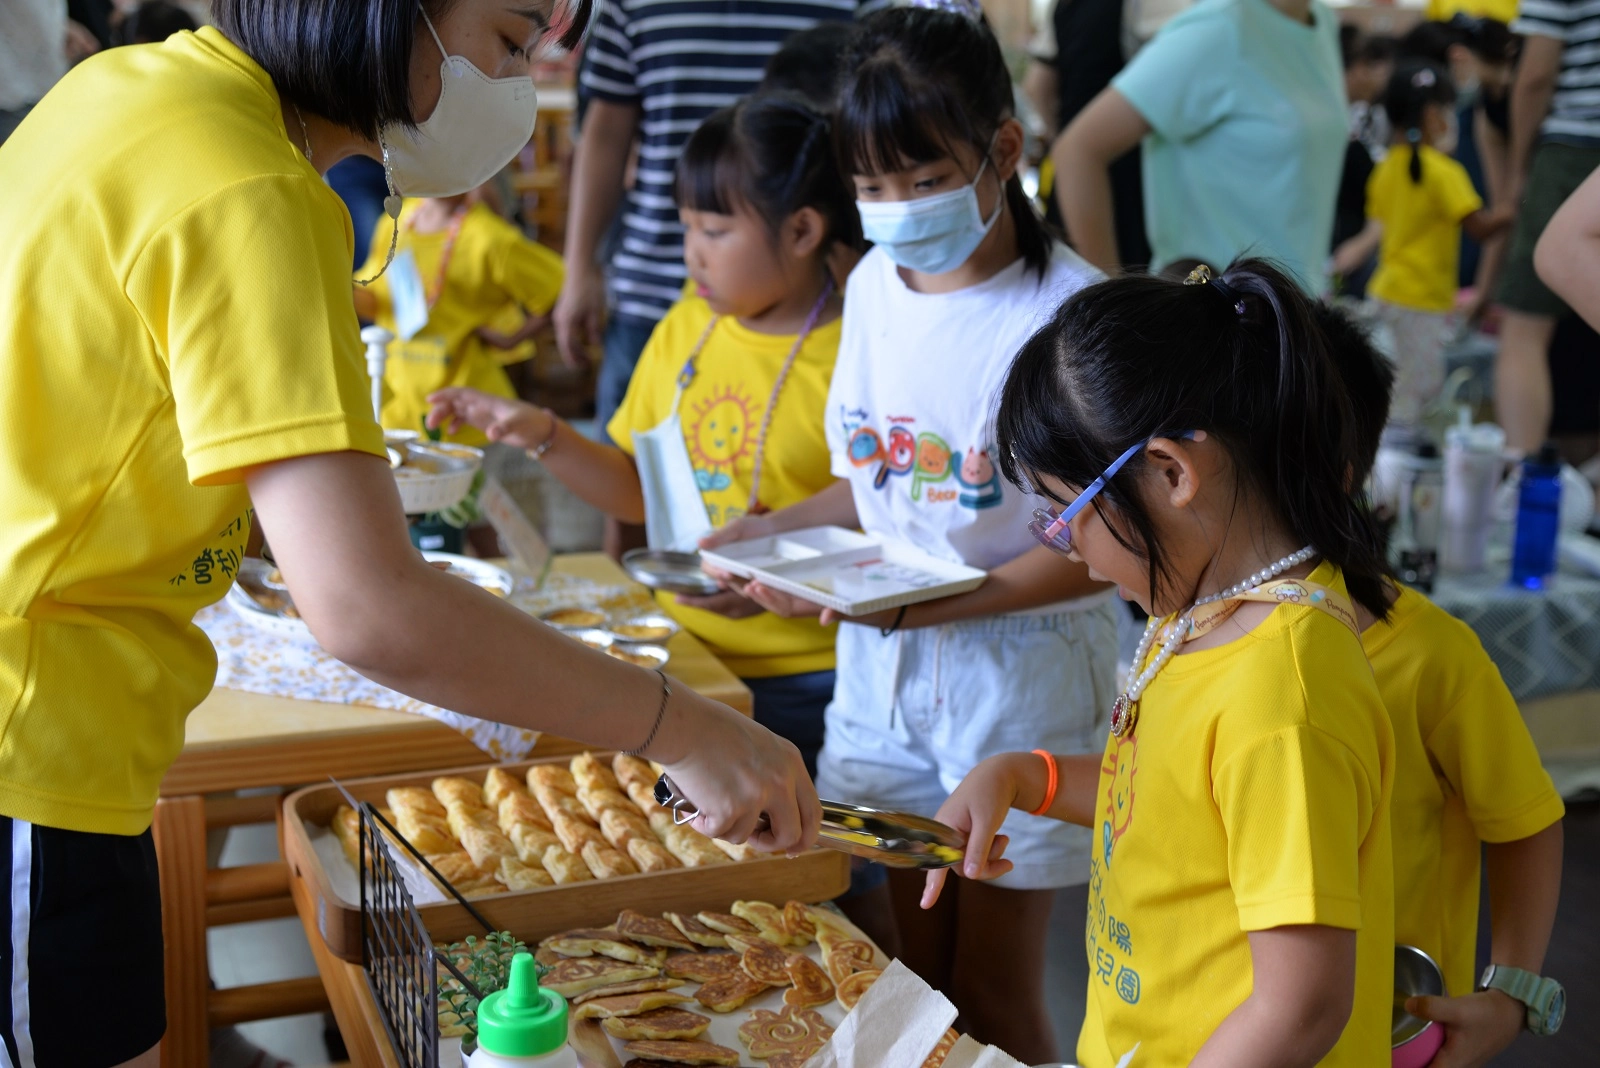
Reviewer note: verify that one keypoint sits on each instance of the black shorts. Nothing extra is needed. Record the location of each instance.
(84, 954)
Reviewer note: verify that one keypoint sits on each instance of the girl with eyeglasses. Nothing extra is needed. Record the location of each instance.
(1241, 900)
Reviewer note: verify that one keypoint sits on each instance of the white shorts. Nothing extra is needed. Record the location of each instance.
(913, 713)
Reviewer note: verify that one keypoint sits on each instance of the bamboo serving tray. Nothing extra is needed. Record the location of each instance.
(818, 875)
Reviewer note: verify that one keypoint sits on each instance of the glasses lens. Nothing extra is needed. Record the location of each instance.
(1059, 541)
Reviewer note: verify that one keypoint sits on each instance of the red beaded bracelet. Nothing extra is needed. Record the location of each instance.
(1051, 784)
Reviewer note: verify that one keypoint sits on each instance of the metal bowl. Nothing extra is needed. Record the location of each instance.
(669, 571)
(574, 617)
(594, 638)
(645, 656)
(1415, 975)
(653, 628)
(266, 608)
(497, 580)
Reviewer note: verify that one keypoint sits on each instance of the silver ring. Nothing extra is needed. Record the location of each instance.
(681, 812)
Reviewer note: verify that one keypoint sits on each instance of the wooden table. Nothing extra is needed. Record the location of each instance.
(236, 741)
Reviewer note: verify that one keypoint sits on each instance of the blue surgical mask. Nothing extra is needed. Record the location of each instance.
(930, 235)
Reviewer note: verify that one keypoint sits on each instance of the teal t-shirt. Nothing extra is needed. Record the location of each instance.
(1249, 123)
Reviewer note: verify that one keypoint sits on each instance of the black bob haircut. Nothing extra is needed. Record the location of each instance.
(1138, 357)
(154, 21)
(811, 63)
(919, 83)
(346, 60)
(771, 153)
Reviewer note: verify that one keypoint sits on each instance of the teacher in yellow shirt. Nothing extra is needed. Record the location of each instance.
(178, 358)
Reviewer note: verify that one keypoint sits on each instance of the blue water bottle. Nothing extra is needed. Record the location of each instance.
(1533, 553)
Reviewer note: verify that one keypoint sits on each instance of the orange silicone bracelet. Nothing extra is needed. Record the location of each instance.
(1051, 784)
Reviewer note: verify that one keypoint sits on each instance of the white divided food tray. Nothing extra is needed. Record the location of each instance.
(853, 574)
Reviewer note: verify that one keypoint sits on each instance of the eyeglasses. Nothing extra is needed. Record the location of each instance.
(1053, 529)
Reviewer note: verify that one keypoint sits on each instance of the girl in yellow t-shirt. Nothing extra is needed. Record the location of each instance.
(1419, 200)
(753, 351)
(1241, 907)
(1468, 785)
(487, 290)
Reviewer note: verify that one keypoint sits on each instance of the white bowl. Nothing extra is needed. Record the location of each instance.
(436, 475)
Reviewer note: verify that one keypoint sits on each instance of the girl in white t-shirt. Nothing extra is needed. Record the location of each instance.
(962, 273)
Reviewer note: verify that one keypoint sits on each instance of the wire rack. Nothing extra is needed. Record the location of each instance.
(397, 952)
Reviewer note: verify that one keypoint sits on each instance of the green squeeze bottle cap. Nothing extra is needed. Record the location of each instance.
(524, 1019)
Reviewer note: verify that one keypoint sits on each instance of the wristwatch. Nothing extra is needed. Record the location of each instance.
(1545, 998)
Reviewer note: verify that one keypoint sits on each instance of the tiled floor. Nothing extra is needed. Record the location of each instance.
(1574, 956)
(264, 952)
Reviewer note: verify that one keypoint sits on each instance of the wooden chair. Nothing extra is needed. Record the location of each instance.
(195, 897)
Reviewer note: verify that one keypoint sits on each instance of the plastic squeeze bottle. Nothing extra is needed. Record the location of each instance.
(523, 1025)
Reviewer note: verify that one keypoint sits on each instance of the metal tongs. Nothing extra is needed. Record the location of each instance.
(897, 839)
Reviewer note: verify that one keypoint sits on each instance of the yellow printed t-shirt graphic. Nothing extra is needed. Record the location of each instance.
(1252, 793)
(1419, 259)
(1466, 771)
(722, 411)
(495, 276)
(174, 309)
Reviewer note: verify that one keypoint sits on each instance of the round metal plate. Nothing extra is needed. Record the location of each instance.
(652, 629)
(645, 656)
(669, 571)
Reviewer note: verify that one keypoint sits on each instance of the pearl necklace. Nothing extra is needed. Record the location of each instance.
(1125, 712)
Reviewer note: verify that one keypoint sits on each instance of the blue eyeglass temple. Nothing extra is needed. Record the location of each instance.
(1060, 522)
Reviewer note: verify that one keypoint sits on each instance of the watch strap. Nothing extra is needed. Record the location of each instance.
(1535, 991)
(1522, 985)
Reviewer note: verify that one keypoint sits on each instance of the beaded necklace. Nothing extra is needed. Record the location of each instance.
(1125, 712)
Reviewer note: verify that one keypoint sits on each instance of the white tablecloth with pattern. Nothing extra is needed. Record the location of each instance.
(258, 662)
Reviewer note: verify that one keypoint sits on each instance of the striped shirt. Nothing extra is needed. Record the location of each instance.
(679, 60)
(1575, 108)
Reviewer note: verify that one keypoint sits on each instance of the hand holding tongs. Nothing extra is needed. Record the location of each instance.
(897, 839)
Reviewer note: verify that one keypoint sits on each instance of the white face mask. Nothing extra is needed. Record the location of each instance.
(477, 127)
(931, 235)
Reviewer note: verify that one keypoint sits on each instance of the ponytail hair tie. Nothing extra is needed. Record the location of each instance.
(971, 9)
(1203, 276)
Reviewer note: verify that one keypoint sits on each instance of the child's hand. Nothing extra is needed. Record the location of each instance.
(783, 604)
(730, 601)
(977, 808)
(510, 422)
(1476, 1026)
(745, 528)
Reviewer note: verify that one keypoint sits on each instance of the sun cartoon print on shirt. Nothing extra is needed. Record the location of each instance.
(720, 435)
(1121, 764)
